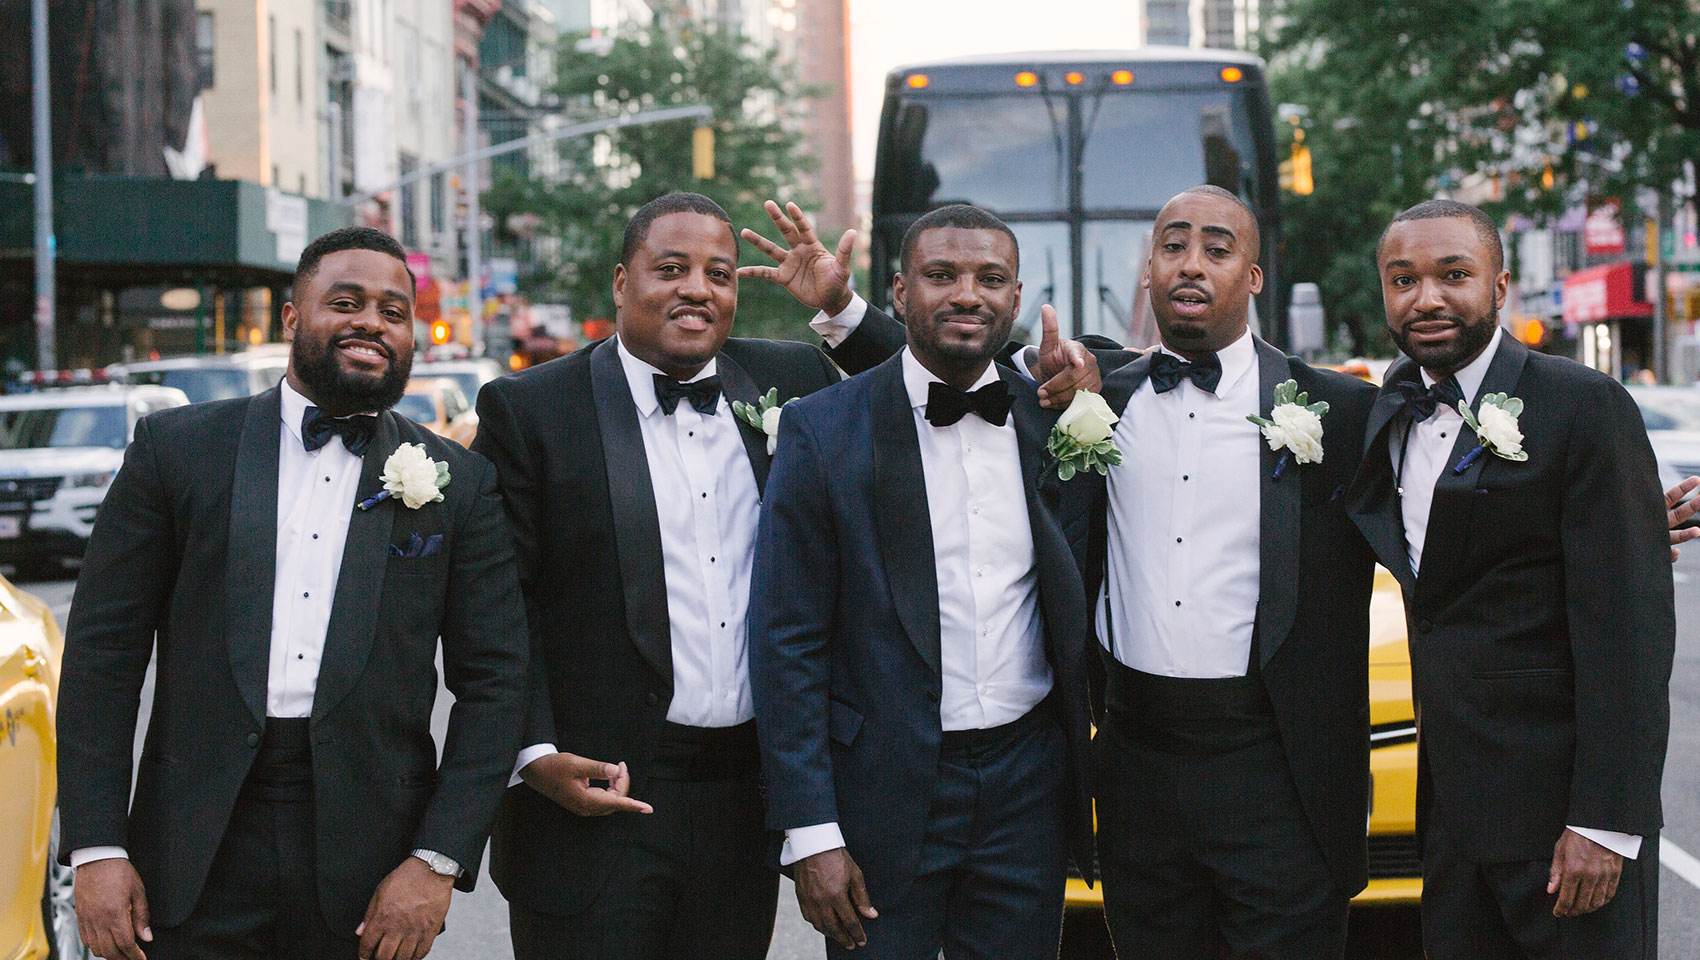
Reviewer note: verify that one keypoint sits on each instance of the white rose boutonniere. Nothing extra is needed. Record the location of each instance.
(1080, 441)
(763, 415)
(1294, 426)
(412, 476)
(1496, 430)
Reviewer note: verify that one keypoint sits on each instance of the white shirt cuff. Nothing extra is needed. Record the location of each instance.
(1625, 845)
(1021, 366)
(91, 854)
(804, 842)
(526, 756)
(837, 328)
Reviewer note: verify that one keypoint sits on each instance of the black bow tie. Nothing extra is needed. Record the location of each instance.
(1421, 402)
(1168, 370)
(703, 394)
(946, 404)
(317, 429)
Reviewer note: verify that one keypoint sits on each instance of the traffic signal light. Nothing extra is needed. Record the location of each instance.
(1300, 166)
(440, 332)
(702, 153)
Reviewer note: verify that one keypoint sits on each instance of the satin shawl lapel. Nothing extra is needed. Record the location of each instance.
(1278, 508)
(737, 385)
(359, 587)
(900, 497)
(1123, 382)
(250, 573)
(631, 497)
(1450, 514)
(1050, 550)
(1373, 502)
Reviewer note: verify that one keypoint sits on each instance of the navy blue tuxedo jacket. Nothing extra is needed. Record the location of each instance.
(844, 624)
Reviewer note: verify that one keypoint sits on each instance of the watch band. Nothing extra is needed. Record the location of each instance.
(440, 864)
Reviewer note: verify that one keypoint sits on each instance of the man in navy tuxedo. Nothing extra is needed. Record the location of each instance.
(917, 627)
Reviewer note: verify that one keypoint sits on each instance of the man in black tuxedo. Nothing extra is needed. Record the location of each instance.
(917, 630)
(1232, 600)
(633, 827)
(1538, 594)
(289, 769)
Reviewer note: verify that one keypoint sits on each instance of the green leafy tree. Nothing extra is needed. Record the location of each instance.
(603, 180)
(1552, 99)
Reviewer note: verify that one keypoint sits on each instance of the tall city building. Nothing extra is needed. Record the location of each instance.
(815, 36)
(1220, 24)
(263, 112)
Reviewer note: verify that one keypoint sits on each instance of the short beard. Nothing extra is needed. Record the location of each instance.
(340, 393)
(1474, 336)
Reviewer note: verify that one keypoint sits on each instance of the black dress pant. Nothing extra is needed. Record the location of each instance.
(994, 858)
(691, 881)
(1502, 911)
(1203, 847)
(261, 900)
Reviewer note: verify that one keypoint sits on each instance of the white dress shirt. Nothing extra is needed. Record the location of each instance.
(316, 493)
(707, 505)
(1181, 583)
(991, 640)
(1428, 451)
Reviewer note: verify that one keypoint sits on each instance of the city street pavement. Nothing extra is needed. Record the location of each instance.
(478, 922)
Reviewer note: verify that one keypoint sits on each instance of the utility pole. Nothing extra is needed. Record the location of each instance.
(1661, 312)
(45, 352)
(469, 180)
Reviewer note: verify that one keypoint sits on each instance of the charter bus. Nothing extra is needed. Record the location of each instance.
(1077, 152)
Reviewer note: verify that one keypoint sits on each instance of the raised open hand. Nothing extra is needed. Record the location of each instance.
(817, 277)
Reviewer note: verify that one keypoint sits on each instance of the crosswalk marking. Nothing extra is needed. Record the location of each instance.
(1680, 861)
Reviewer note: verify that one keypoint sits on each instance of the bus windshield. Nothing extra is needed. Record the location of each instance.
(1077, 164)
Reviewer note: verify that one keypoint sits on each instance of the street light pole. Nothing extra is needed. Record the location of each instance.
(45, 352)
(469, 180)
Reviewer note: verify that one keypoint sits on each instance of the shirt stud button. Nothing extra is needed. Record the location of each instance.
(304, 593)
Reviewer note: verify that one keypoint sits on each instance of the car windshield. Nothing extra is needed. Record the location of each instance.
(418, 408)
(62, 427)
(467, 380)
(1669, 408)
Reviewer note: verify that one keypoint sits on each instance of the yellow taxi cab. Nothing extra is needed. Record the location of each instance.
(37, 918)
(438, 405)
(1395, 871)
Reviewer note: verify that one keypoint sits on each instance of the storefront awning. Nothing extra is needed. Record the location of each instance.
(1605, 292)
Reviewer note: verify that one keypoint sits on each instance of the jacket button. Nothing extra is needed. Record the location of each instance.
(651, 699)
(1423, 626)
(253, 739)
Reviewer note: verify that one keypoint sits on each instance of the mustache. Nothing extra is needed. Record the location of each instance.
(373, 341)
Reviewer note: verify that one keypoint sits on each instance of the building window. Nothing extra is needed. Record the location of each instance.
(300, 88)
(271, 52)
(204, 48)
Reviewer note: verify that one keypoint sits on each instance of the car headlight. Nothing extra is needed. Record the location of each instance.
(92, 479)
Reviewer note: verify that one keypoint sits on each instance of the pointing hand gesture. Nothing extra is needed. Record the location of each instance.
(818, 278)
(1062, 366)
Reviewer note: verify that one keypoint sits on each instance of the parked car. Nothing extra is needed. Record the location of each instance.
(38, 917)
(471, 374)
(438, 404)
(209, 376)
(1672, 416)
(59, 450)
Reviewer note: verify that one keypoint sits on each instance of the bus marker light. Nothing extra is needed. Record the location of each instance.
(917, 80)
(1074, 77)
(1026, 78)
(1122, 77)
(1232, 74)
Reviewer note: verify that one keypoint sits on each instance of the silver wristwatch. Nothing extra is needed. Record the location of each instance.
(440, 865)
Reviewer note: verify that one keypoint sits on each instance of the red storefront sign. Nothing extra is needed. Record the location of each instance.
(1605, 292)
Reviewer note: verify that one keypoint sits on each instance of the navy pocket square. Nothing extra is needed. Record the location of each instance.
(418, 547)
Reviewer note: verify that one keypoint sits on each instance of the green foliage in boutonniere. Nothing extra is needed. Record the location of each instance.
(1081, 439)
(763, 415)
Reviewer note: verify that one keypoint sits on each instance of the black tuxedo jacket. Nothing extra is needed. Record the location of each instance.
(567, 445)
(1541, 624)
(185, 548)
(1315, 575)
(844, 625)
